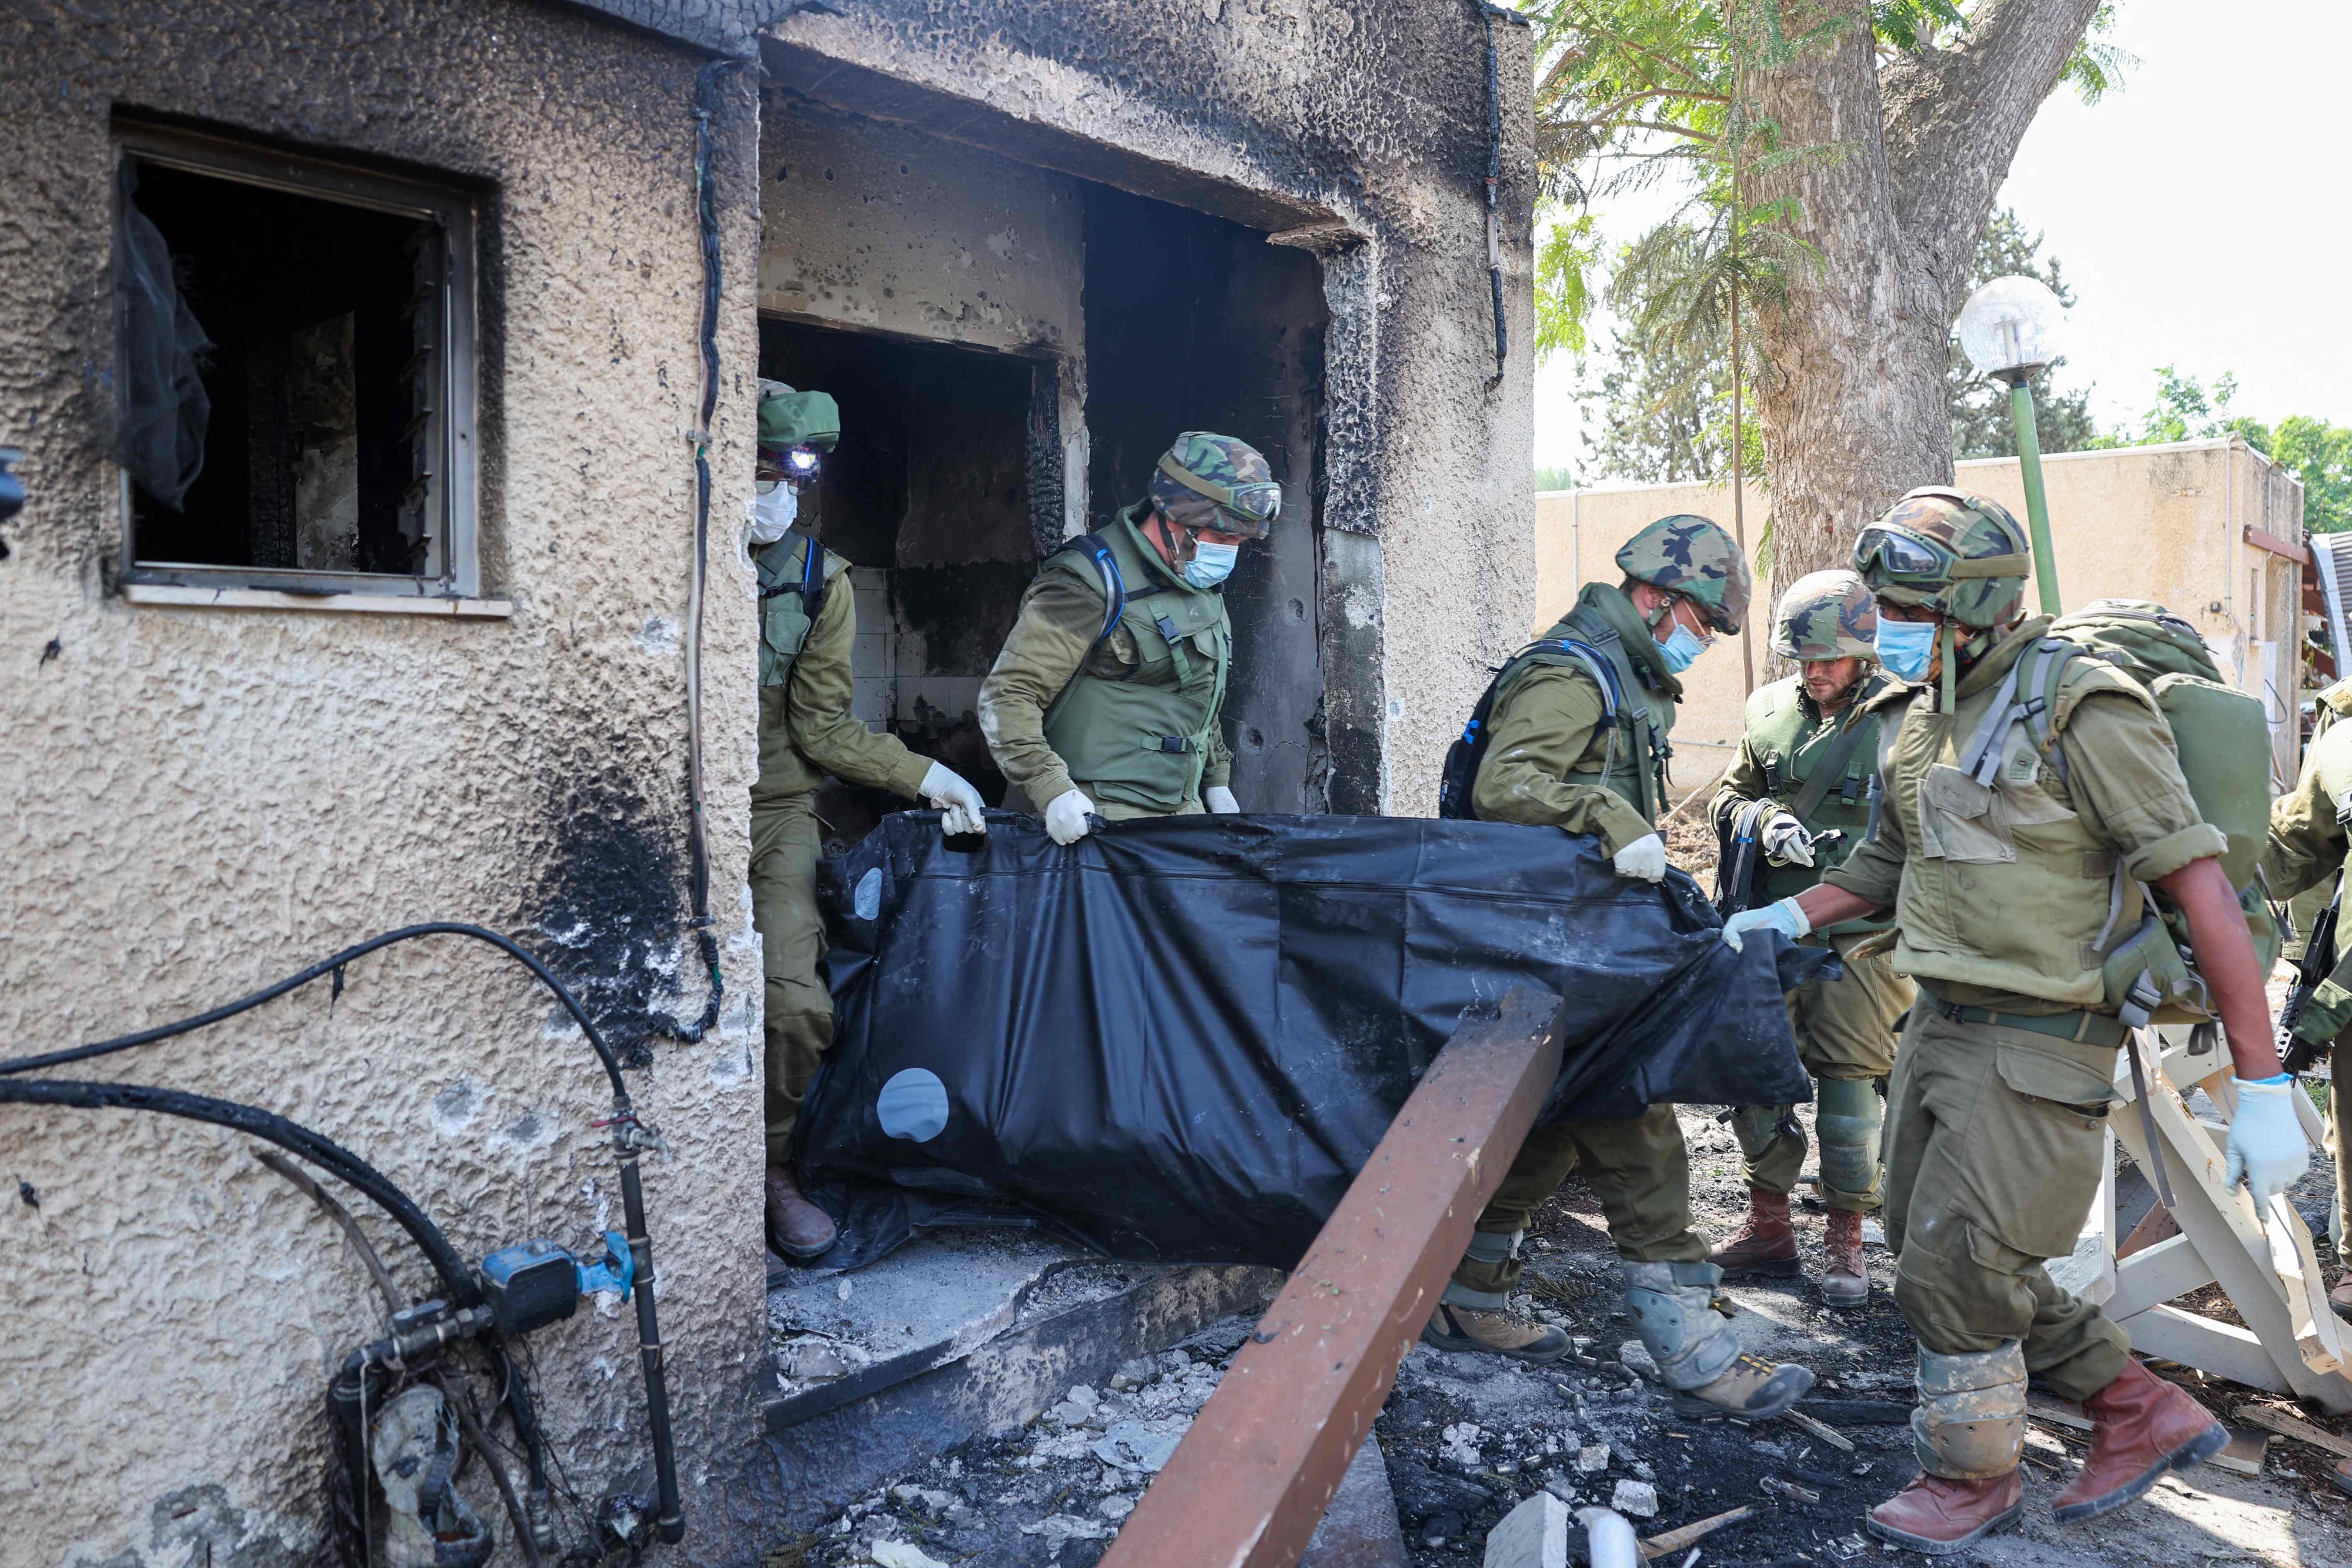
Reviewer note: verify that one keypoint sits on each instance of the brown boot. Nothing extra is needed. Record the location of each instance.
(796, 1228)
(2340, 1298)
(1767, 1244)
(2143, 1428)
(1845, 1278)
(1497, 1332)
(1935, 1517)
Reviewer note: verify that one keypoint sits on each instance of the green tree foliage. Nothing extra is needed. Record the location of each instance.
(1981, 425)
(2314, 451)
(1633, 92)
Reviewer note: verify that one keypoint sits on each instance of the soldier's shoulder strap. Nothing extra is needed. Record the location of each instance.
(807, 569)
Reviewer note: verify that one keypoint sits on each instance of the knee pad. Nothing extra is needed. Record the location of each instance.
(1970, 1420)
(1848, 1117)
(1673, 1309)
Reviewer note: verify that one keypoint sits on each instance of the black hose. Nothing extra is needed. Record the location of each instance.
(321, 969)
(268, 1125)
(670, 1514)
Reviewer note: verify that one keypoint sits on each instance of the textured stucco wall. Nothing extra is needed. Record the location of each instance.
(199, 801)
(1370, 114)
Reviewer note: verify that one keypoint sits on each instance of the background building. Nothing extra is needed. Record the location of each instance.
(2203, 527)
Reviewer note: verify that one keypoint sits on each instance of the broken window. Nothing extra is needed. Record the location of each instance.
(295, 373)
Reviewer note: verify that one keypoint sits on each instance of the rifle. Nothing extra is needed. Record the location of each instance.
(1740, 854)
(2318, 961)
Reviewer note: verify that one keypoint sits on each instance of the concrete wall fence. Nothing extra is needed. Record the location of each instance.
(2164, 523)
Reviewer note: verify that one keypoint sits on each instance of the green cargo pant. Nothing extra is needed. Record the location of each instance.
(1994, 1141)
(785, 844)
(1845, 1030)
(1639, 1169)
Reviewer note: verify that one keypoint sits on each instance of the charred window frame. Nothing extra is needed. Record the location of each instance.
(430, 429)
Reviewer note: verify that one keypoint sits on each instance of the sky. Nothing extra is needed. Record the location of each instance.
(2202, 215)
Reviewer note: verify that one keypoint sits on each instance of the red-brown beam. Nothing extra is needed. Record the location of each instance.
(1251, 1478)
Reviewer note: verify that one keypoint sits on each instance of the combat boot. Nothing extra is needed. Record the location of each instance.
(2340, 1299)
(2143, 1428)
(796, 1228)
(1846, 1277)
(1936, 1516)
(1766, 1243)
(1497, 1331)
(1969, 1429)
(1673, 1307)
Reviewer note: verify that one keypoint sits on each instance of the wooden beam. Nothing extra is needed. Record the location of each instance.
(1257, 1469)
(2262, 538)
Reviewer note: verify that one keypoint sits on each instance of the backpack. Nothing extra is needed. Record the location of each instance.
(2223, 738)
(1465, 755)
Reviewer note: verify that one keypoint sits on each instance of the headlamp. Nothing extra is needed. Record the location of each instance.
(801, 461)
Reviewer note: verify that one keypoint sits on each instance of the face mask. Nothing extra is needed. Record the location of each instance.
(1906, 648)
(1681, 649)
(1210, 564)
(772, 513)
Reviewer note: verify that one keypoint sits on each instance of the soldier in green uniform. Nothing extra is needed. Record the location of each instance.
(808, 623)
(1801, 789)
(1558, 758)
(1112, 710)
(2302, 861)
(2000, 873)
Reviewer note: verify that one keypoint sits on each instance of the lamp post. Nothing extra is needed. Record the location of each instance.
(2007, 331)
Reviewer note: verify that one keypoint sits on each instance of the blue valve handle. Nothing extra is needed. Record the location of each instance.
(617, 1272)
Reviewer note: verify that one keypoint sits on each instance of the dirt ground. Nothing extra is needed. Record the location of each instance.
(1467, 1438)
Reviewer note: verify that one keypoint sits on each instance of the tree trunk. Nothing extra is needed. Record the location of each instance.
(1850, 390)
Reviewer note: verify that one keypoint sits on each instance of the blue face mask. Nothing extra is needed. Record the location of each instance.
(1681, 649)
(1907, 647)
(1210, 563)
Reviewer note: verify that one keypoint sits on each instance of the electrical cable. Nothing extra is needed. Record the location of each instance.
(320, 970)
(268, 1125)
(698, 844)
(1494, 181)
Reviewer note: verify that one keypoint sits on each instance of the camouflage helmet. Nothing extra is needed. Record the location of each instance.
(1208, 481)
(1694, 558)
(1950, 551)
(1827, 615)
(790, 419)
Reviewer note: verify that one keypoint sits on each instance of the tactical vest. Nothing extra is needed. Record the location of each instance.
(1633, 764)
(2003, 885)
(1790, 746)
(1141, 735)
(790, 596)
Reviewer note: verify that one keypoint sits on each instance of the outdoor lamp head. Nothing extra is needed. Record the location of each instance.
(2009, 329)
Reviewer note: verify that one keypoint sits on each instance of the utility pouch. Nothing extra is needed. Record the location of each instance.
(2145, 974)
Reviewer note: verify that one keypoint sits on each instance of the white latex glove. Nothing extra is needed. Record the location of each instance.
(2266, 1144)
(1786, 842)
(1644, 858)
(1785, 916)
(1219, 800)
(959, 802)
(1066, 816)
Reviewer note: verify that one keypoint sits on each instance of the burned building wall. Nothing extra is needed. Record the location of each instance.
(203, 800)
(1351, 131)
